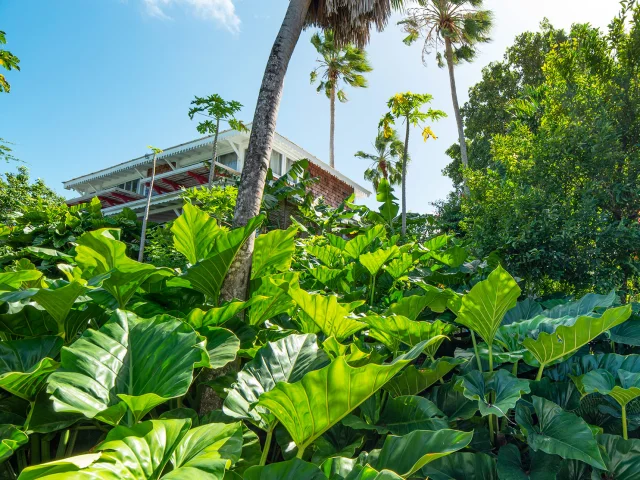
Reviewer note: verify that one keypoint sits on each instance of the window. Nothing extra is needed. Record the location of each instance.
(229, 159)
(276, 162)
(131, 185)
(289, 163)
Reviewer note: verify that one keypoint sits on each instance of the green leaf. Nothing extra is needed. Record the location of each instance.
(413, 381)
(358, 244)
(413, 305)
(325, 311)
(400, 266)
(510, 467)
(130, 361)
(452, 257)
(623, 457)
(59, 302)
(14, 280)
(105, 257)
(25, 364)
(523, 310)
(208, 275)
(214, 317)
(194, 233)
(506, 389)
(145, 451)
(558, 432)
(484, 307)
(452, 402)
(394, 329)
(11, 438)
(222, 346)
(567, 339)
(309, 407)
(286, 360)
(402, 415)
(273, 252)
(458, 465)
(626, 389)
(294, 469)
(407, 454)
(27, 321)
(270, 299)
(585, 305)
(327, 254)
(374, 261)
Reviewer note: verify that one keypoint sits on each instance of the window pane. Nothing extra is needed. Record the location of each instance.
(229, 159)
(276, 162)
(289, 163)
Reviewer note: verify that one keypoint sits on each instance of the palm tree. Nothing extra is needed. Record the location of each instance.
(407, 107)
(337, 64)
(386, 161)
(459, 26)
(351, 22)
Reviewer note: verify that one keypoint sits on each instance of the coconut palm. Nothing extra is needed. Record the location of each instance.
(351, 22)
(458, 26)
(386, 161)
(407, 107)
(337, 64)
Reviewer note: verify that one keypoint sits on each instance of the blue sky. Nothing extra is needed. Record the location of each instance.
(102, 79)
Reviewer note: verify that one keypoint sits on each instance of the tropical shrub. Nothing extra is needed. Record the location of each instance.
(352, 357)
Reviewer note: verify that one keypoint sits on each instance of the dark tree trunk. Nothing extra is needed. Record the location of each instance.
(256, 163)
(145, 216)
(456, 111)
(214, 155)
(404, 181)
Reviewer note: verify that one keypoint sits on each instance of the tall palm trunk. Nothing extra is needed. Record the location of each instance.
(261, 141)
(456, 110)
(214, 155)
(332, 127)
(404, 180)
(145, 217)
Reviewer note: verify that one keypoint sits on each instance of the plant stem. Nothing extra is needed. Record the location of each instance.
(539, 375)
(35, 449)
(300, 452)
(45, 450)
(490, 359)
(475, 349)
(267, 446)
(613, 346)
(491, 439)
(624, 422)
(514, 371)
(22, 460)
(373, 289)
(62, 445)
(72, 443)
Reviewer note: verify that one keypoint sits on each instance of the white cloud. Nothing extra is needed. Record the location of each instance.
(222, 12)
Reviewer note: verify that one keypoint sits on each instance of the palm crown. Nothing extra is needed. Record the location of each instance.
(385, 161)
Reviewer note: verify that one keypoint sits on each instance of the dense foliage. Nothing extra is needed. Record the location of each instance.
(355, 356)
(554, 157)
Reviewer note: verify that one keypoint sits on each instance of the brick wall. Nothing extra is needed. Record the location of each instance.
(331, 188)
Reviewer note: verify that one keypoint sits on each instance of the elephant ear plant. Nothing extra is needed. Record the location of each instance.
(351, 357)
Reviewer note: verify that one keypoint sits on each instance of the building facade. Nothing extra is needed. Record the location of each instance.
(187, 166)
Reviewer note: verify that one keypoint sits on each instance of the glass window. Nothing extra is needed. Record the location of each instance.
(229, 159)
(289, 163)
(276, 162)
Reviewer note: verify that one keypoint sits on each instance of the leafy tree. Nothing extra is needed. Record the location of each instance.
(559, 199)
(8, 61)
(351, 22)
(145, 215)
(459, 26)
(407, 107)
(337, 64)
(5, 151)
(18, 195)
(217, 110)
(386, 160)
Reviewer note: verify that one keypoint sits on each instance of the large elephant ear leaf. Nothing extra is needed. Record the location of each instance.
(407, 454)
(500, 386)
(10, 281)
(549, 347)
(294, 469)
(308, 408)
(623, 457)
(412, 380)
(130, 362)
(104, 257)
(145, 451)
(558, 432)
(486, 304)
(271, 298)
(413, 305)
(194, 233)
(285, 360)
(542, 465)
(584, 306)
(26, 363)
(374, 261)
(325, 312)
(207, 275)
(273, 252)
(11, 438)
(357, 245)
(462, 465)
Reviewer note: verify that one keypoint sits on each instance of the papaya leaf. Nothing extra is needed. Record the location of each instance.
(308, 408)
